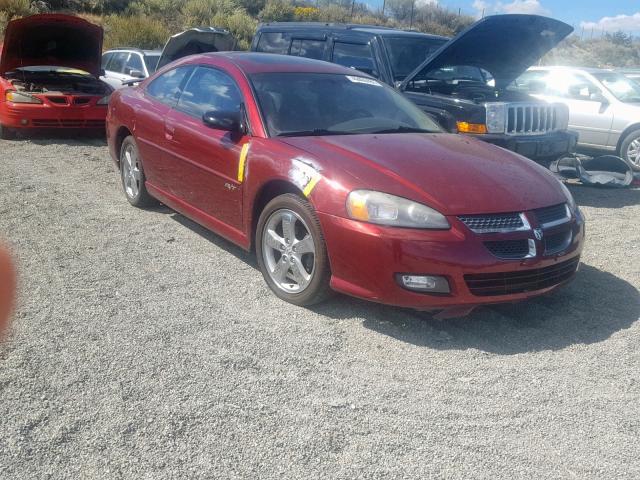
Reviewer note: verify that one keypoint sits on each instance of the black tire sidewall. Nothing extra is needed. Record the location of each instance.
(625, 146)
(318, 288)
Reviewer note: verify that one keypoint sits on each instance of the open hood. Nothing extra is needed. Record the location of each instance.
(504, 45)
(196, 40)
(52, 39)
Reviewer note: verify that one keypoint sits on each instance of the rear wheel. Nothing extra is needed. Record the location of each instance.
(132, 175)
(630, 149)
(291, 251)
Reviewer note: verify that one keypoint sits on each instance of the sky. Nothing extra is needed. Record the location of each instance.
(596, 15)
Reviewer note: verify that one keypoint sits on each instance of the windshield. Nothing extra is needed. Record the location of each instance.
(406, 53)
(151, 61)
(621, 87)
(302, 104)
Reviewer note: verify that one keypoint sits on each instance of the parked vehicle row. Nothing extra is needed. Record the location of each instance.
(340, 181)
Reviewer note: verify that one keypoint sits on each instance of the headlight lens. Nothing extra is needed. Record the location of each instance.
(17, 97)
(570, 200)
(385, 209)
(104, 100)
(495, 117)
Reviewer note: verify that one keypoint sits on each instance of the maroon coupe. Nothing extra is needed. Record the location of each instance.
(338, 182)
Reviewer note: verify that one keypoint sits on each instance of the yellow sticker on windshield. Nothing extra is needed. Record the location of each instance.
(243, 160)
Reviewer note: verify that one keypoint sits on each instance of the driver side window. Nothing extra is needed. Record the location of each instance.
(209, 90)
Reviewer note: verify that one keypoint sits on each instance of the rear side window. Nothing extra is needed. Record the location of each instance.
(105, 60)
(273, 42)
(308, 48)
(355, 55)
(166, 88)
(209, 90)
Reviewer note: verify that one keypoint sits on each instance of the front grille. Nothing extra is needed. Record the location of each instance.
(530, 119)
(500, 222)
(508, 283)
(58, 100)
(554, 215)
(67, 123)
(509, 249)
(557, 242)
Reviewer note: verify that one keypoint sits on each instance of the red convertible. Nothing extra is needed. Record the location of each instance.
(49, 71)
(339, 183)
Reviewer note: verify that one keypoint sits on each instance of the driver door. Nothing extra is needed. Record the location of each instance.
(205, 160)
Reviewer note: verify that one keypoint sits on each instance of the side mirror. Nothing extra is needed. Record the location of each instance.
(228, 121)
(136, 74)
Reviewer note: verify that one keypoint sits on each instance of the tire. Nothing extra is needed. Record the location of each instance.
(7, 133)
(630, 149)
(132, 175)
(275, 254)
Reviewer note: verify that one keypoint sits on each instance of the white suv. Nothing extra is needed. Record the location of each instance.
(124, 64)
(604, 106)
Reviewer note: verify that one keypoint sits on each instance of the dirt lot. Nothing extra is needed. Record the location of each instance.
(146, 347)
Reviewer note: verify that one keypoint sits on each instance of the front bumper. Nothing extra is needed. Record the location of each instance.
(365, 260)
(47, 115)
(549, 146)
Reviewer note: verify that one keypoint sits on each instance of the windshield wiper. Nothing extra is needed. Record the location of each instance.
(314, 132)
(403, 129)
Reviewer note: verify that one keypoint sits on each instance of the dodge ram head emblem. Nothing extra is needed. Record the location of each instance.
(537, 232)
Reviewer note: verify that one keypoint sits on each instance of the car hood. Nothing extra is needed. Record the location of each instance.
(52, 39)
(504, 45)
(452, 173)
(196, 40)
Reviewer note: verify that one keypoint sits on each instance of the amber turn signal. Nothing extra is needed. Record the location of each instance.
(464, 127)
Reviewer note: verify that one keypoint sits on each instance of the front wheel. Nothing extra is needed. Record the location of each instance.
(291, 251)
(132, 175)
(630, 149)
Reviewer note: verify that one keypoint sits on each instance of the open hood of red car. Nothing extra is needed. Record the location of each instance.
(52, 39)
(196, 40)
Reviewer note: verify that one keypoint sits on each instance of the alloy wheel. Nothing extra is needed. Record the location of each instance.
(131, 172)
(633, 152)
(288, 251)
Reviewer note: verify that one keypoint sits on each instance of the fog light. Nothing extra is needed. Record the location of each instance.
(24, 121)
(424, 283)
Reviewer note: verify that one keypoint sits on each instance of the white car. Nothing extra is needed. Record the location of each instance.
(123, 64)
(604, 106)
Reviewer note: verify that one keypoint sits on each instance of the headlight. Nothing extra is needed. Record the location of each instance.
(570, 200)
(495, 117)
(17, 97)
(104, 100)
(385, 209)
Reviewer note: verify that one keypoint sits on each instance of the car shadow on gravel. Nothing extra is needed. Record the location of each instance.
(602, 197)
(589, 310)
(217, 240)
(46, 137)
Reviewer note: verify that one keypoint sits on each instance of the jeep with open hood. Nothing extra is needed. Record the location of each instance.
(461, 82)
(49, 71)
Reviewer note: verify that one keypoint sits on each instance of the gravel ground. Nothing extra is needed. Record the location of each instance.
(146, 347)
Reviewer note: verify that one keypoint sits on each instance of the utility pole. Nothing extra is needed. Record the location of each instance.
(353, 3)
(413, 3)
(384, 3)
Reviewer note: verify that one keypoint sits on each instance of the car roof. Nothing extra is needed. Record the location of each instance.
(133, 49)
(251, 62)
(341, 27)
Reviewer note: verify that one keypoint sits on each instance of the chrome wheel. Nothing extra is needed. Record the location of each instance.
(131, 172)
(633, 152)
(288, 251)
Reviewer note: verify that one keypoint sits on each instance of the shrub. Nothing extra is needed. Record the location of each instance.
(277, 11)
(140, 32)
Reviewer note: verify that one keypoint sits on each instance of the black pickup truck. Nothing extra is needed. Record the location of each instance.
(462, 82)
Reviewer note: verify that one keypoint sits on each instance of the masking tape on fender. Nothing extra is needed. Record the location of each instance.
(312, 183)
(243, 160)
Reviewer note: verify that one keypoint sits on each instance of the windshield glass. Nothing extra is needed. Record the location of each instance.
(623, 89)
(406, 53)
(151, 61)
(302, 104)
